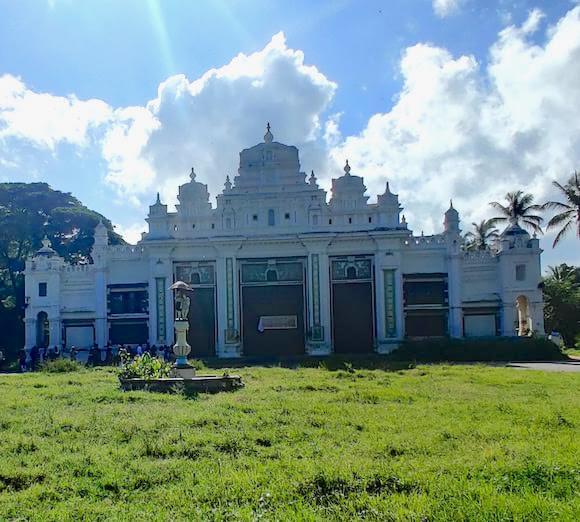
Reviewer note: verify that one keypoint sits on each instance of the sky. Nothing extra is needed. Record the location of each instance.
(116, 100)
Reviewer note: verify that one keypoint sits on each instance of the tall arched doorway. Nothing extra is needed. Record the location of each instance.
(524, 320)
(42, 330)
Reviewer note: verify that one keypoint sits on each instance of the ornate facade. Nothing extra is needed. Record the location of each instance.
(279, 270)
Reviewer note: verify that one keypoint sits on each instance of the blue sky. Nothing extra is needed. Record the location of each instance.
(355, 69)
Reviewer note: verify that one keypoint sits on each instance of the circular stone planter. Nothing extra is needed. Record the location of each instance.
(197, 384)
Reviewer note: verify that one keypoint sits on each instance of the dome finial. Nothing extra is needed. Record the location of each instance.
(192, 174)
(347, 168)
(312, 179)
(268, 137)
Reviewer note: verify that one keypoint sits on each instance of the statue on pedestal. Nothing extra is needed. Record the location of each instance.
(181, 349)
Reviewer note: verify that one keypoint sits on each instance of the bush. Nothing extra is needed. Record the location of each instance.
(61, 366)
(467, 350)
(144, 367)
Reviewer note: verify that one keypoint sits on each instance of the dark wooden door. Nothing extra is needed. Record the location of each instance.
(201, 334)
(352, 308)
(275, 300)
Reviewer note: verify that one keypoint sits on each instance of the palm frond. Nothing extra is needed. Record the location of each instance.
(559, 218)
(565, 229)
(555, 205)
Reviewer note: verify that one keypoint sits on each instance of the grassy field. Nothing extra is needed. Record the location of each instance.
(428, 443)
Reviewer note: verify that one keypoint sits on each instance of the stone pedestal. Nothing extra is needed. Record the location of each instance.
(181, 349)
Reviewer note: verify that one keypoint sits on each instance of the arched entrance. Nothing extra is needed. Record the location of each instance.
(524, 321)
(42, 330)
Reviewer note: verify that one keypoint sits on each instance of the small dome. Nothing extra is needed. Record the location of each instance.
(514, 230)
(46, 250)
(451, 212)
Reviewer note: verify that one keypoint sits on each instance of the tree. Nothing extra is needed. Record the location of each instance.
(484, 233)
(519, 210)
(562, 302)
(568, 217)
(28, 212)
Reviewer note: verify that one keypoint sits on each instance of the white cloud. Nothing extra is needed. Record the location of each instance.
(45, 120)
(457, 130)
(131, 233)
(445, 8)
(207, 121)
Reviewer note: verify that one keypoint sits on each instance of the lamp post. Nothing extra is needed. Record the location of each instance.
(181, 349)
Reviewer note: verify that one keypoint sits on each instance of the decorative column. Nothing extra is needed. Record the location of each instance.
(101, 332)
(454, 294)
(228, 338)
(319, 309)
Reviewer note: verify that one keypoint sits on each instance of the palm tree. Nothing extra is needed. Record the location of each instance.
(519, 210)
(569, 216)
(484, 233)
(563, 273)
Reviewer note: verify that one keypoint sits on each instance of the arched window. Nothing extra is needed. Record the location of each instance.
(271, 218)
(271, 275)
(42, 330)
(351, 272)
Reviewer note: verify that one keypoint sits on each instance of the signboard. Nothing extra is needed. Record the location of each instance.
(277, 322)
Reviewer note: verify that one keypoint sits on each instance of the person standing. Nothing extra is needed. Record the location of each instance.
(34, 355)
(22, 356)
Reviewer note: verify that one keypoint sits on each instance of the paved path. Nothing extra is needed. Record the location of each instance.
(560, 366)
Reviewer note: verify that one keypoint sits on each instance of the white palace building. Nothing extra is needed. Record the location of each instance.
(279, 270)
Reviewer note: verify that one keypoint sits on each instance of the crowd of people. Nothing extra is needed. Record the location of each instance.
(112, 354)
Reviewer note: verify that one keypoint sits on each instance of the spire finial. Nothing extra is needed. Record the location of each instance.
(158, 202)
(192, 174)
(46, 242)
(312, 179)
(228, 183)
(268, 137)
(347, 168)
(450, 203)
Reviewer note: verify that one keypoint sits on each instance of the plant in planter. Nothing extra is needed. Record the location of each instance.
(144, 367)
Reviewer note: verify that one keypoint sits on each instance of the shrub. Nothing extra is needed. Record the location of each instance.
(61, 365)
(491, 349)
(144, 367)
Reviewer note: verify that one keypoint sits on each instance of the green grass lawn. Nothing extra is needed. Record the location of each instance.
(429, 443)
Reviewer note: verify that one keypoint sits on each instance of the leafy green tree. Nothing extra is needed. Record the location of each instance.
(562, 302)
(519, 210)
(568, 217)
(28, 212)
(483, 235)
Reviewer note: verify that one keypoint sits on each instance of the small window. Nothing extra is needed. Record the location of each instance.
(255, 217)
(42, 290)
(520, 272)
(315, 220)
(370, 219)
(228, 222)
(212, 226)
(193, 226)
(330, 221)
(287, 215)
(271, 218)
(175, 228)
(350, 221)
